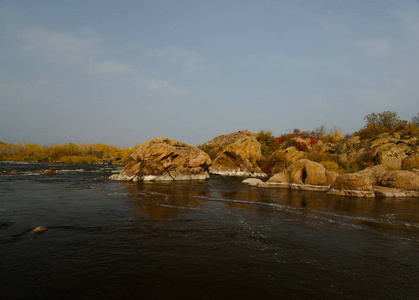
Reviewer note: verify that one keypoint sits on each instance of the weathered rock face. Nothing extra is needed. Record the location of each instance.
(353, 181)
(291, 154)
(165, 159)
(375, 173)
(303, 175)
(227, 139)
(403, 180)
(391, 155)
(377, 181)
(239, 159)
(360, 184)
(305, 171)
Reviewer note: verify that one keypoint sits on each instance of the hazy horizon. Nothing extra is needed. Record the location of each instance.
(124, 72)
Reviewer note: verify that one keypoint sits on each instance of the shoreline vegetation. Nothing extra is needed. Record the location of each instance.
(333, 149)
(79, 153)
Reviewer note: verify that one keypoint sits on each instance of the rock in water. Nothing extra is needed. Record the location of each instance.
(49, 172)
(39, 229)
(239, 159)
(165, 159)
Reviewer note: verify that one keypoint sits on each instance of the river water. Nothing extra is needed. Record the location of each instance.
(213, 239)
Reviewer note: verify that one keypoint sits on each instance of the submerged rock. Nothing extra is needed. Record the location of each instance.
(165, 159)
(49, 172)
(38, 229)
(252, 181)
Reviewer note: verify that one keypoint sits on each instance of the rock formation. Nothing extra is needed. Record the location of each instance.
(239, 159)
(304, 174)
(377, 182)
(227, 139)
(165, 159)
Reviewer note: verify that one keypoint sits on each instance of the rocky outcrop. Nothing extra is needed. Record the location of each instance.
(165, 159)
(401, 180)
(386, 192)
(377, 182)
(353, 184)
(227, 139)
(239, 159)
(391, 155)
(304, 174)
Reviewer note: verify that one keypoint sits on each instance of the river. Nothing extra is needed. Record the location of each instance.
(212, 239)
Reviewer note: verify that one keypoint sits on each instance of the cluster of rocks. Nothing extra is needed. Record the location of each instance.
(391, 150)
(165, 159)
(376, 181)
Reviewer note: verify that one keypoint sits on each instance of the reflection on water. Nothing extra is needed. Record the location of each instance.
(169, 200)
(165, 200)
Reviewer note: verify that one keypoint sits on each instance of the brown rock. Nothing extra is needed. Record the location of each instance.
(227, 139)
(353, 181)
(302, 175)
(165, 159)
(391, 155)
(306, 171)
(404, 180)
(239, 159)
(331, 177)
(375, 173)
(49, 172)
(291, 154)
(39, 229)
(279, 178)
(381, 191)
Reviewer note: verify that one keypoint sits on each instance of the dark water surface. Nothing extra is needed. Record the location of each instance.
(213, 239)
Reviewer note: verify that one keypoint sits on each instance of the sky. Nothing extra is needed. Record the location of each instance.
(123, 72)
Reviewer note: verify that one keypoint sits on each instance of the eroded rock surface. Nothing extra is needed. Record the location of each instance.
(165, 159)
(239, 159)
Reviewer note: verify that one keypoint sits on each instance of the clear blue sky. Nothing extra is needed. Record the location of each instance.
(122, 72)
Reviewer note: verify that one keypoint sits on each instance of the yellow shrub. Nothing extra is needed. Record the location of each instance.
(331, 166)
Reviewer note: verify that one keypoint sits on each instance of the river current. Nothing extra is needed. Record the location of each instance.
(212, 239)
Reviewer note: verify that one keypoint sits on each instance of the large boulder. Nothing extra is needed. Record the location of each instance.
(165, 159)
(404, 180)
(391, 155)
(306, 171)
(375, 173)
(353, 184)
(304, 174)
(239, 159)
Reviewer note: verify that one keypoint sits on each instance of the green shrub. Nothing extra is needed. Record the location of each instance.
(386, 121)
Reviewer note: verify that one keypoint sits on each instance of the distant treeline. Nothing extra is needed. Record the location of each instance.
(65, 153)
